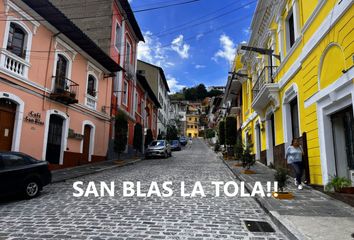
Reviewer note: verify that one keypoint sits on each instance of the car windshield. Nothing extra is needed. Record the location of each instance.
(157, 143)
(174, 141)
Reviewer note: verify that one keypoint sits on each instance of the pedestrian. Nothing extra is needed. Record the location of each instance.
(294, 157)
(190, 142)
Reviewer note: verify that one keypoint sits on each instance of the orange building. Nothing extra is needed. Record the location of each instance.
(55, 86)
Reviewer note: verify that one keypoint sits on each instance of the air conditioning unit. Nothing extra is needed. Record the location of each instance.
(351, 176)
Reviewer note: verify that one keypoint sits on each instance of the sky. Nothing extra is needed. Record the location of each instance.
(195, 42)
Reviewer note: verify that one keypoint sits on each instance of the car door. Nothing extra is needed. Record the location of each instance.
(15, 169)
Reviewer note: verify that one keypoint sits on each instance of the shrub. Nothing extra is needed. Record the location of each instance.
(337, 183)
(238, 149)
(281, 176)
(230, 131)
(247, 158)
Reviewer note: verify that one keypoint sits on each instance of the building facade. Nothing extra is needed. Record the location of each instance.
(54, 87)
(157, 80)
(297, 82)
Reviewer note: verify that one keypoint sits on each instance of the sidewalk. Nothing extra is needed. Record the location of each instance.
(310, 215)
(69, 173)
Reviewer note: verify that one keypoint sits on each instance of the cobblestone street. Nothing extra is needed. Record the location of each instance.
(56, 214)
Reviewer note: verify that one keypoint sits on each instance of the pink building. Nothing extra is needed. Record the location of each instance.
(55, 86)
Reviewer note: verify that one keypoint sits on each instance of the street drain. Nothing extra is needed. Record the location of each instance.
(257, 226)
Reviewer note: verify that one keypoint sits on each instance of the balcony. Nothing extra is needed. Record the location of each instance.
(14, 64)
(65, 90)
(265, 91)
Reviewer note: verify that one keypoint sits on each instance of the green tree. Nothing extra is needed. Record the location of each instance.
(201, 92)
(138, 137)
(121, 133)
(209, 133)
(247, 158)
(148, 138)
(230, 131)
(172, 133)
(222, 132)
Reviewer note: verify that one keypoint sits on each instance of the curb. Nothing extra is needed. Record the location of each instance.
(286, 229)
(97, 171)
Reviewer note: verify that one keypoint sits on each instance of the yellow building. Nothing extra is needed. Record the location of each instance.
(192, 125)
(304, 88)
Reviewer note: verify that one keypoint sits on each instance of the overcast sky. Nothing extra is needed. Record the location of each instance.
(194, 43)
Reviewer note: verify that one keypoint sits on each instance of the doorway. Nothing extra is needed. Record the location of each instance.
(7, 123)
(86, 149)
(270, 139)
(343, 141)
(258, 142)
(55, 136)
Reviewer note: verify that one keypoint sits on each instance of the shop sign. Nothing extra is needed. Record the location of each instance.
(34, 118)
(74, 135)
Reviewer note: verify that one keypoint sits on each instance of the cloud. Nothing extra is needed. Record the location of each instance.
(153, 52)
(173, 84)
(180, 47)
(227, 50)
(197, 66)
(246, 31)
(199, 36)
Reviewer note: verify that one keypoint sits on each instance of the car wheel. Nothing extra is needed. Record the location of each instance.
(32, 188)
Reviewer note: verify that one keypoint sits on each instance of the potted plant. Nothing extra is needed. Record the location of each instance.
(217, 146)
(281, 176)
(340, 185)
(248, 160)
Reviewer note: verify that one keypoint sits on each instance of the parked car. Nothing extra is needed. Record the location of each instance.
(20, 173)
(158, 148)
(183, 141)
(175, 145)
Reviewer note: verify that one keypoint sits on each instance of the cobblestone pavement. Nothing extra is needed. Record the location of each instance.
(56, 214)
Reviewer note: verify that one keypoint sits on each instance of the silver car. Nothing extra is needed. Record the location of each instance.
(158, 148)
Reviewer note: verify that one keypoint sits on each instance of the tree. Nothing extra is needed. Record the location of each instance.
(201, 92)
(120, 134)
(238, 148)
(230, 131)
(172, 133)
(148, 138)
(247, 158)
(214, 92)
(222, 132)
(138, 137)
(209, 133)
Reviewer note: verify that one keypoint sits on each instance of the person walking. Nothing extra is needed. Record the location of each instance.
(294, 157)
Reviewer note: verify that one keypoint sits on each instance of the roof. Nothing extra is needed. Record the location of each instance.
(66, 27)
(162, 73)
(144, 83)
(131, 18)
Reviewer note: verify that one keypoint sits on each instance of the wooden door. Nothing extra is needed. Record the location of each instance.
(7, 122)
(86, 144)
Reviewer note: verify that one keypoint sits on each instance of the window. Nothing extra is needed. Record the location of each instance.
(125, 93)
(16, 40)
(128, 53)
(14, 160)
(91, 86)
(294, 118)
(60, 73)
(118, 36)
(136, 99)
(290, 26)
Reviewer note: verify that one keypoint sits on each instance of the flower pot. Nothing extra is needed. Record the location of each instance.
(248, 171)
(238, 164)
(347, 190)
(283, 195)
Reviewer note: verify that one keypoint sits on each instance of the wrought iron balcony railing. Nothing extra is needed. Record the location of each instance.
(65, 90)
(266, 76)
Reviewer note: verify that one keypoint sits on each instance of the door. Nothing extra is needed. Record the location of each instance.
(86, 144)
(54, 142)
(343, 140)
(294, 119)
(258, 142)
(7, 122)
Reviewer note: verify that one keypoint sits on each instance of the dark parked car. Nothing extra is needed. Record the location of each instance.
(158, 148)
(183, 141)
(175, 145)
(20, 173)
